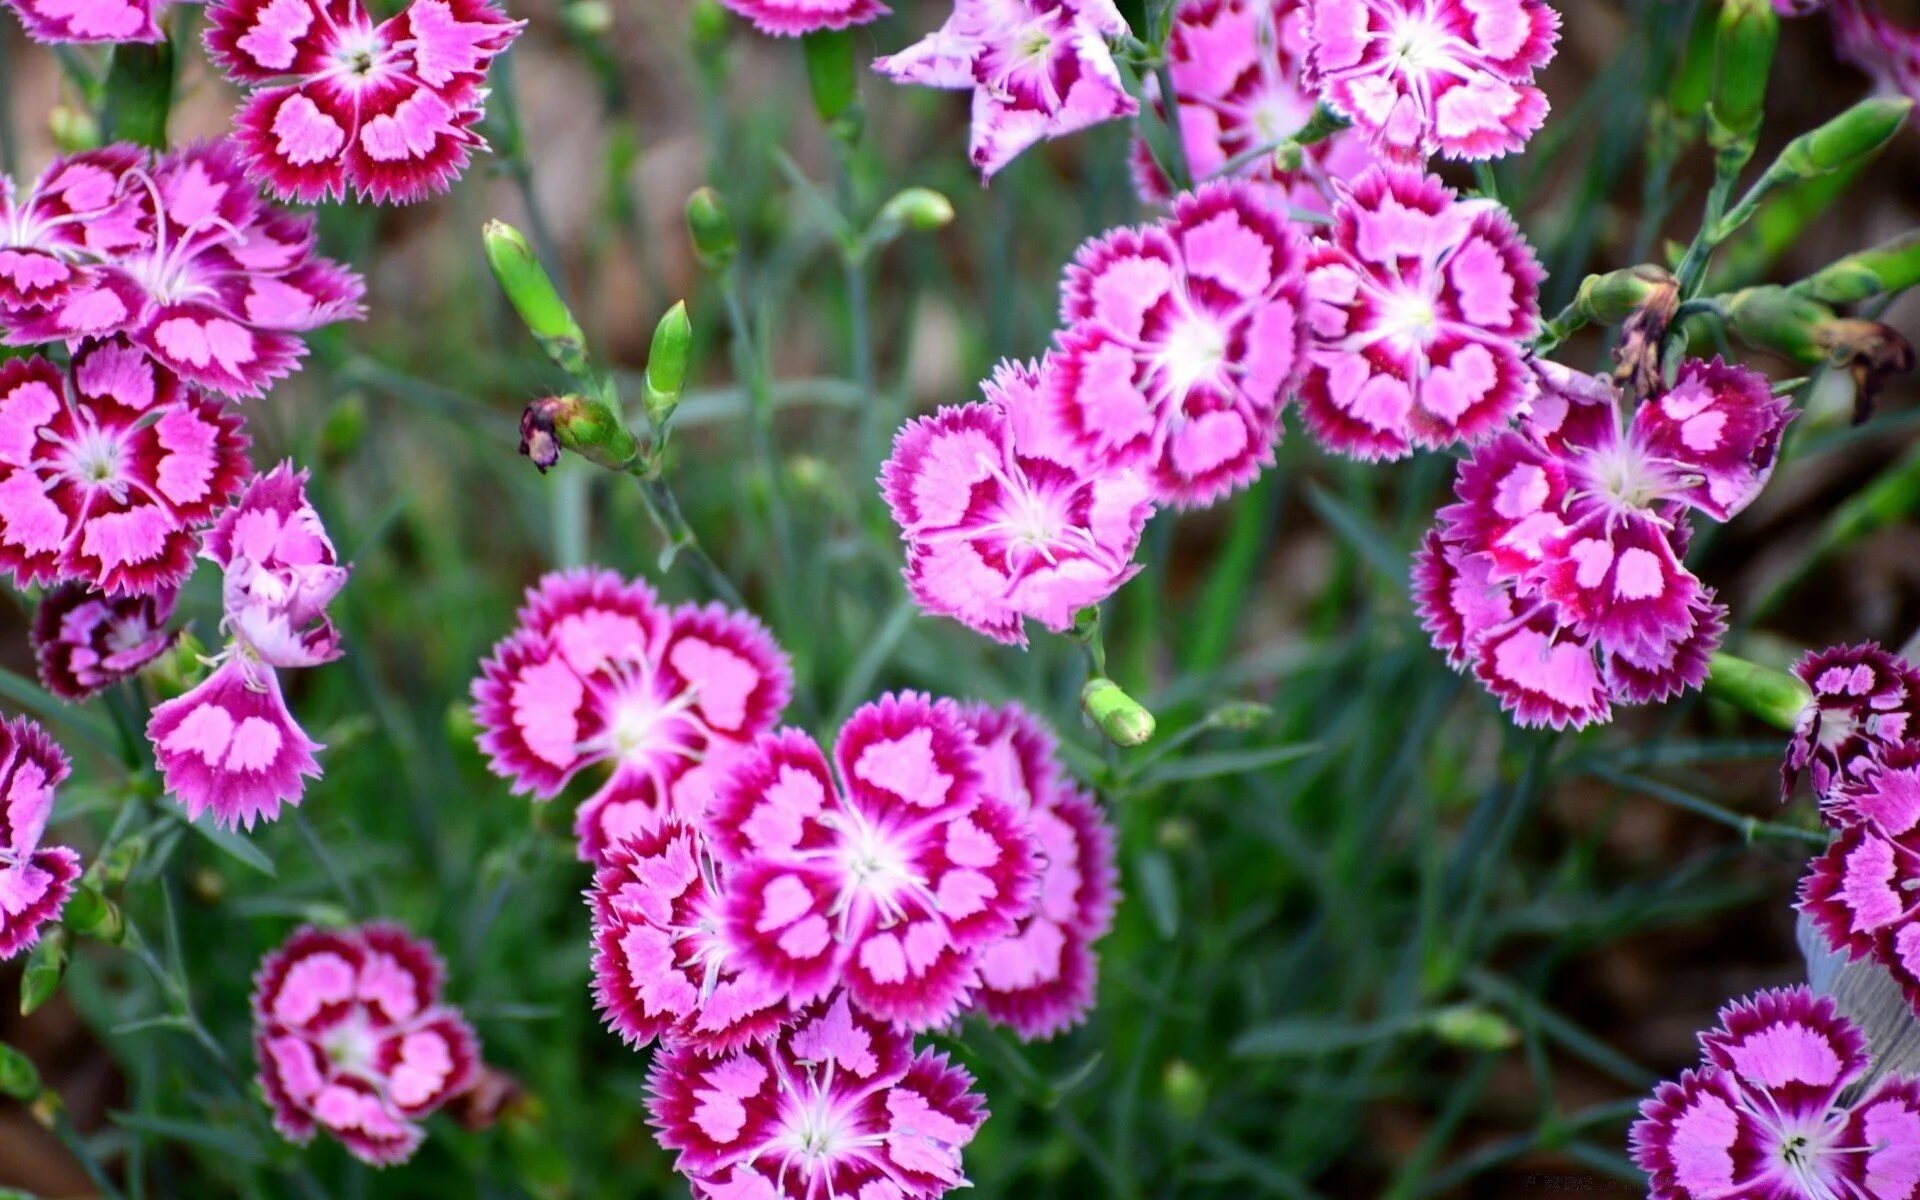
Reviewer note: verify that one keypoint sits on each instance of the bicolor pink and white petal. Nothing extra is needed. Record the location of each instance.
(1003, 520)
(1039, 980)
(35, 880)
(839, 1104)
(599, 672)
(1557, 577)
(1238, 74)
(793, 18)
(77, 213)
(1883, 45)
(1038, 69)
(343, 103)
(1420, 306)
(353, 1039)
(886, 874)
(231, 746)
(219, 287)
(61, 21)
(84, 641)
(108, 468)
(1863, 893)
(1181, 342)
(1424, 76)
(1768, 1113)
(1865, 700)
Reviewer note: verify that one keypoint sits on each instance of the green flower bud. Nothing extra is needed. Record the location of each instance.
(46, 966)
(1748, 34)
(74, 130)
(1289, 156)
(1119, 716)
(535, 298)
(922, 210)
(1775, 319)
(1323, 124)
(1855, 134)
(711, 225)
(587, 427)
(118, 863)
(588, 18)
(90, 914)
(343, 428)
(667, 365)
(1471, 1027)
(1692, 83)
(1242, 716)
(1891, 267)
(1612, 298)
(1776, 697)
(19, 1078)
(1184, 1089)
(709, 27)
(830, 73)
(462, 728)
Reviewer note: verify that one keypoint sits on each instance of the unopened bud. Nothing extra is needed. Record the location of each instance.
(343, 428)
(1855, 134)
(586, 427)
(709, 23)
(46, 967)
(922, 210)
(207, 885)
(1743, 59)
(1775, 319)
(1692, 84)
(830, 73)
(180, 669)
(1184, 1089)
(1776, 697)
(667, 365)
(533, 295)
(74, 130)
(90, 914)
(588, 18)
(711, 225)
(1611, 298)
(1322, 124)
(117, 864)
(19, 1078)
(1242, 716)
(1289, 156)
(1118, 715)
(1471, 1027)
(1885, 269)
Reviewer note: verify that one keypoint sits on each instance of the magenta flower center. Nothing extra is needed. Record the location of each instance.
(1410, 317)
(646, 723)
(1421, 43)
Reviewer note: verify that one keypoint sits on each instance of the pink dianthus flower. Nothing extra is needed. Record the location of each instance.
(1037, 68)
(1863, 893)
(1557, 576)
(889, 880)
(1420, 304)
(1001, 518)
(1865, 700)
(84, 641)
(791, 18)
(352, 1038)
(56, 21)
(599, 671)
(1769, 1114)
(1419, 76)
(1039, 979)
(219, 287)
(838, 1105)
(75, 214)
(108, 468)
(1237, 69)
(35, 880)
(1182, 341)
(340, 101)
(1886, 49)
(230, 745)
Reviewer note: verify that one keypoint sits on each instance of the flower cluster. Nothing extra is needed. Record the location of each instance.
(1037, 69)
(1426, 76)
(785, 944)
(341, 102)
(35, 880)
(599, 671)
(352, 1037)
(1783, 1105)
(1557, 576)
(230, 746)
(1239, 81)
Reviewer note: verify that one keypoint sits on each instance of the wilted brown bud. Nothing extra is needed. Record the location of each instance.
(1871, 352)
(492, 1094)
(537, 440)
(1644, 335)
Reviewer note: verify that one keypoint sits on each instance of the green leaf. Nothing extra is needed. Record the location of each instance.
(1362, 534)
(1305, 1037)
(1230, 762)
(234, 845)
(1154, 873)
(221, 1141)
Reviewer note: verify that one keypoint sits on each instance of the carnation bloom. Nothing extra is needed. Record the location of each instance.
(75, 213)
(1418, 76)
(1237, 73)
(340, 101)
(84, 641)
(599, 671)
(1557, 576)
(664, 963)
(1181, 342)
(230, 745)
(219, 288)
(1039, 979)
(791, 18)
(1420, 305)
(1865, 699)
(1768, 1113)
(838, 1105)
(890, 880)
(35, 880)
(1863, 894)
(1002, 520)
(1037, 69)
(58, 21)
(1886, 49)
(108, 468)
(352, 1038)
